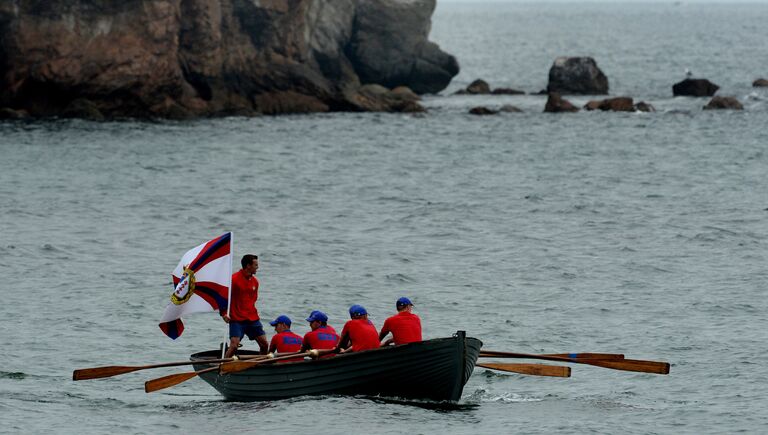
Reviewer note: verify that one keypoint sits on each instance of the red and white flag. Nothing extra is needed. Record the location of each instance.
(201, 283)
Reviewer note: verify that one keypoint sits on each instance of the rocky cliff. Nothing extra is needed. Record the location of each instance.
(187, 58)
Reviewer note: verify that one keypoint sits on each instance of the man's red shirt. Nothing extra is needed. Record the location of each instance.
(324, 337)
(245, 292)
(286, 341)
(362, 334)
(404, 326)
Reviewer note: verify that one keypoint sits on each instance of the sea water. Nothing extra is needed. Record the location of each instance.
(635, 233)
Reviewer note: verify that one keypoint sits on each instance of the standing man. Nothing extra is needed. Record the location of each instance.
(404, 326)
(285, 341)
(359, 333)
(322, 336)
(243, 316)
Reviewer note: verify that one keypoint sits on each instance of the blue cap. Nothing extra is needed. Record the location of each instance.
(317, 316)
(358, 310)
(402, 302)
(281, 319)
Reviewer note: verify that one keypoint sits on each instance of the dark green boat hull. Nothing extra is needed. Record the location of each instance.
(433, 370)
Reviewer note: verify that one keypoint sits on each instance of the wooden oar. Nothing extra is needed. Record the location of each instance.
(630, 365)
(108, 371)
(171, 380)
(601, 356)
(239, 366)
(529, 369)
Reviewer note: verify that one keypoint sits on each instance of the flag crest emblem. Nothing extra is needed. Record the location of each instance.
(201, 283)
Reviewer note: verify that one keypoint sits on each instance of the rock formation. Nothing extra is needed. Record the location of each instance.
(577, 75)
(694, 88)
(724, 103)
(759, 83)
(188, 58)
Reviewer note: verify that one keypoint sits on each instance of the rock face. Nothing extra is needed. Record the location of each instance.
(694, 88)
(187, 58)
(556, 103)
(724, 103)
(577, 75)
(760, 83)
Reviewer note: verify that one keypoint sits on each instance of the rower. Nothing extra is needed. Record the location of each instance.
(404, 326)
(359, 333)
(322, 335)
(284, 341)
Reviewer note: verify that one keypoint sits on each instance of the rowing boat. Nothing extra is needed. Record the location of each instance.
(434, 369)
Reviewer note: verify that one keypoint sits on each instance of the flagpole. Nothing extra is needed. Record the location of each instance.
(229, 290)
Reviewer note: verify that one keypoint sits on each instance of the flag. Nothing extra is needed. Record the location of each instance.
(201, 283)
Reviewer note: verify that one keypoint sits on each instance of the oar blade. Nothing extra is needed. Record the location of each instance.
(102, 372)
(529, 369)
(633, 365)
(167, 381)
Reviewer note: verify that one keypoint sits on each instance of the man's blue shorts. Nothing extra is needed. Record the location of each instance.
(252, 329)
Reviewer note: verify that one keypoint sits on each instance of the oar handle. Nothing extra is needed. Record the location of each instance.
(238, 366)
(109, 371)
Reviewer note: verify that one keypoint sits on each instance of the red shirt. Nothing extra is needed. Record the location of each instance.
(404, 326)
(324, 337)
(362, 334)
(286, 341)
(245, 291)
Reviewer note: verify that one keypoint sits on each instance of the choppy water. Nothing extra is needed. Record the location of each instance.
(605, 232)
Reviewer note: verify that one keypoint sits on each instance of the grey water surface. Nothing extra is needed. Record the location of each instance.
(644, 234)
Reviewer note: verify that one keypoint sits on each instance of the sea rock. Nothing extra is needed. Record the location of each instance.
(617, 104)
(179, 59)
(481, 110)
(406, 92)
(507, 91)
(577, 75)
(760, 83)
(556, 103)
(723, 103)
(377, 98)
(694, 88)
(477, 87)
(642, 106)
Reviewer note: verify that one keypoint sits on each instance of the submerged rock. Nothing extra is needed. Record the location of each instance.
(730, 103)
(180, 59)
(760, 83)
(577, 75)
(694, 88)
(556, 103)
